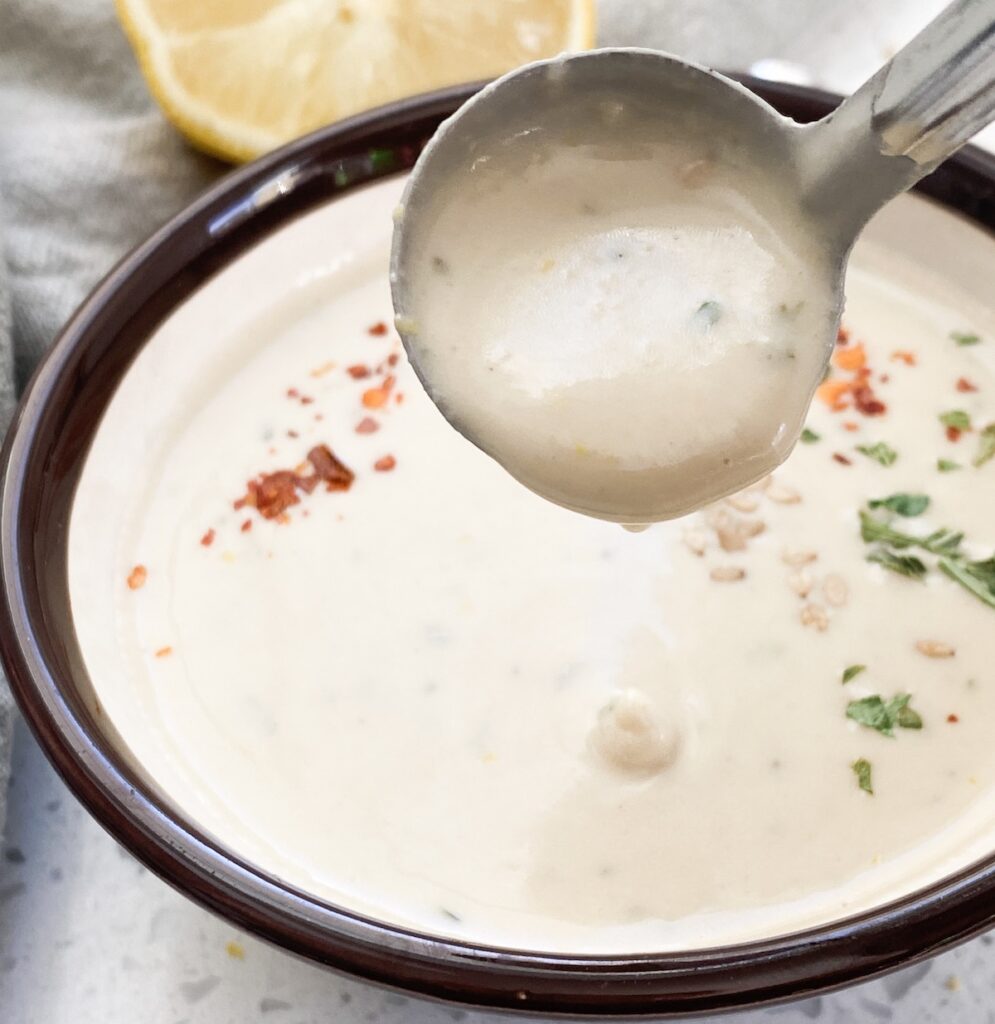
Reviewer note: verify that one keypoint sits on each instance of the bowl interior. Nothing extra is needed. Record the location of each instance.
(45, 453)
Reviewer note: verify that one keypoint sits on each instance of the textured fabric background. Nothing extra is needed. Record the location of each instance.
(88, 167)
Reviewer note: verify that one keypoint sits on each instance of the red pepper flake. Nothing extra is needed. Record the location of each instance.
(378, 330)
(293, 433)
(842, 335)
(904, 356)
(953, 433)
(376, 398)
(399, 397)
(953, 719)
(306, 400)
(963, 384)
(293, 393)
(137, 577)
(841, 459)
(367, 425)
(850, 425)
(164, 652)
(358, 371)
(884, 378)
(327, 467)
(272, 493)
(385, 464)
(867, 402)
(392, 359)
(208, 539)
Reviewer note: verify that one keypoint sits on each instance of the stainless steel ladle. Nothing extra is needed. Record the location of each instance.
(917, 110)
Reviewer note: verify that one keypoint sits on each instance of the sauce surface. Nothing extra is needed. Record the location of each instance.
(631, 324)
(428, 695)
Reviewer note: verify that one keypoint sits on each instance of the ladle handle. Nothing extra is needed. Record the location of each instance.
(921, 107)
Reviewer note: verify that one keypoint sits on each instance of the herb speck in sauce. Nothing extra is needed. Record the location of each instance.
(956, 419)
(707, 315)
(884, 716)
(862, 769)
(880, 452)
(907, 505)
(986, 446)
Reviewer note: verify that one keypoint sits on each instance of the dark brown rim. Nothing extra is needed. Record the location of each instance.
(42, 457)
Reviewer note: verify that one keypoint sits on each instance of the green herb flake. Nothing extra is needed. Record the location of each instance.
(852, 671)
(862, 769)
(939, 542)
(707, 315)
(977, 577)
(947, 465)
(906, 717)
(874, 713)
(904, 565)
(965, 337)
(907, 505)
(872, 529)
(879, 452)
(382, 160)
(986, 446)
(942, 542)
(956, 418)
(810, 436)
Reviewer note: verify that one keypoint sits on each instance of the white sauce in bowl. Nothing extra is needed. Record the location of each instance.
(439, 700)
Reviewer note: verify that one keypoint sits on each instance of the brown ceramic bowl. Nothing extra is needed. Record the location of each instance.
(42, 460)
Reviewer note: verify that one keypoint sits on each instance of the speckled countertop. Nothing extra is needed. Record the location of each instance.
(88, 936)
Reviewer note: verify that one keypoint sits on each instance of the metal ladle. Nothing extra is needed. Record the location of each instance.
(917, 110)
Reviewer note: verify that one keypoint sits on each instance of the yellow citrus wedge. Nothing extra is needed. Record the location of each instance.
(239, 77)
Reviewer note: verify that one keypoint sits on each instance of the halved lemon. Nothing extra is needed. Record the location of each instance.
(239, 77)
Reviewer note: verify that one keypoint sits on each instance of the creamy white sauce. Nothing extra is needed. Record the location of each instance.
(442, 701)
(630, 325)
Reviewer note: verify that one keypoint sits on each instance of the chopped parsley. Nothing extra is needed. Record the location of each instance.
(942, 542)
(852, 671)
(907, 505)
(904, 565)
(862, 769)
(873, 529)
(956, 418)
(947, 465)
(965, 337)
(884, 716)
(810, 436)
(939, 542)
(977, 577)
(986, 446)
(879, 452)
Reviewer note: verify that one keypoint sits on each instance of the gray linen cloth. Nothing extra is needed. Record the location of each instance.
(88, 168)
